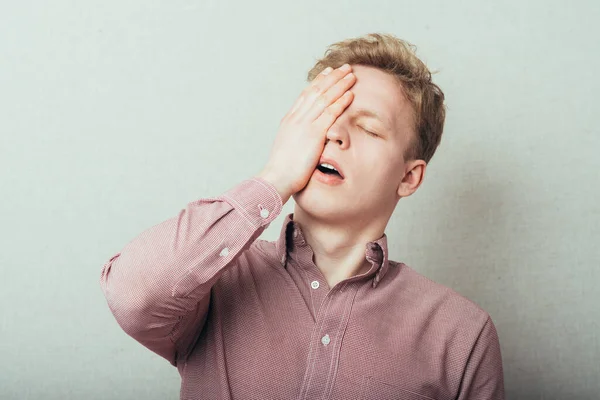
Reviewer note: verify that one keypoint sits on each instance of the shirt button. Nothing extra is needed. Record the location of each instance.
(314, 284)
(325, 340)
(264, 213)
(224, 252)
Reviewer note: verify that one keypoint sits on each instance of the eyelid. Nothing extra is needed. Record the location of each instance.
(369, 132)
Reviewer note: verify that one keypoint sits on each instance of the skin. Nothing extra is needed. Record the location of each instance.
(338, 221)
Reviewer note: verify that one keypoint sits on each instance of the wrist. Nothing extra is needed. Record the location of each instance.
(276, 183)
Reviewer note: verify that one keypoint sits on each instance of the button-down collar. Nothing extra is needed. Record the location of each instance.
(376, 252)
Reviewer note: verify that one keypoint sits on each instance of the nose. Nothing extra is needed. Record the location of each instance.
(337, 134)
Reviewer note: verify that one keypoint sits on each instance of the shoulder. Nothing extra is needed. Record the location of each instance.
(262, 255)
(436, 301)
(263, 249)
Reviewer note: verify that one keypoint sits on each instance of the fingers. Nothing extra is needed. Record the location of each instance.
(317, 96)
(315, 83)
(329, 97)
(299, 101)
(331, 113)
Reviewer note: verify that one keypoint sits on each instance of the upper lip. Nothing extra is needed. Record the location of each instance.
(332, 162)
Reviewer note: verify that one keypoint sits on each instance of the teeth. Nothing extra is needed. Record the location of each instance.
(329, 166)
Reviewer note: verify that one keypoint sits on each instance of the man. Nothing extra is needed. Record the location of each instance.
(322, 312)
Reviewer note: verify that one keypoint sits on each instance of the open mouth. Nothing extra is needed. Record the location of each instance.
(329, 171)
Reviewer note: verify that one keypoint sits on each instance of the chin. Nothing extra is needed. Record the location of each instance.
(318, 203)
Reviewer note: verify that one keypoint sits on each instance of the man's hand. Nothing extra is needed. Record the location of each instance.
(300, 139)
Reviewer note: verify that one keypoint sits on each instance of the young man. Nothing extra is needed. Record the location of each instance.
(322, 312)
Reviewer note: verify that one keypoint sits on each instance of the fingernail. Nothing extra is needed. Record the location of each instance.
(345, 67)
(327, 70)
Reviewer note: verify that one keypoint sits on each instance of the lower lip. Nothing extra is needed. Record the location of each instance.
(327, 179)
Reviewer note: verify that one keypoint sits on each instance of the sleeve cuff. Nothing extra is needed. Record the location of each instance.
(256, 199)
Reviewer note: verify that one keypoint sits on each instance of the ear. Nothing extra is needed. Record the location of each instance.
(413, 177)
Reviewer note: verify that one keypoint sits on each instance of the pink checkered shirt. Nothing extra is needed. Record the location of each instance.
(245, 318)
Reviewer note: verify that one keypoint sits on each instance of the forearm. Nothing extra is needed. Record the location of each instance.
(158, 285)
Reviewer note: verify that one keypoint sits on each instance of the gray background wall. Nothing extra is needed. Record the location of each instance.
(116, 114)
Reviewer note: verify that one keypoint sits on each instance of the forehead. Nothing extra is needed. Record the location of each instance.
(380, 92)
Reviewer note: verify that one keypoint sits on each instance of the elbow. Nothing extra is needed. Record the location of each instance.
(129, 307)
(132, 319)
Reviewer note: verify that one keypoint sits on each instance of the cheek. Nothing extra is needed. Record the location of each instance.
(380, 178)
(379, 161)
(375, 174)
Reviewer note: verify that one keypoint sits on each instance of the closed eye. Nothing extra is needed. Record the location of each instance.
(369, 132)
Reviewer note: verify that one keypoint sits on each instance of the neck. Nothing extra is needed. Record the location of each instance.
(339, 246)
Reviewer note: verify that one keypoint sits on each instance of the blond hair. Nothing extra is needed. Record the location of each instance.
(396, 57)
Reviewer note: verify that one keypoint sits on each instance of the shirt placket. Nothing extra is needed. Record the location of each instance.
(326, 341)
(318, 292)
